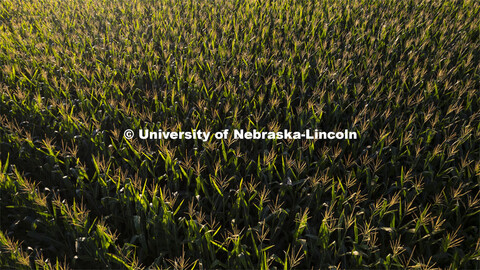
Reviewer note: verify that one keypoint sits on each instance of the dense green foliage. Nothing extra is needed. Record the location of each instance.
(404, 75)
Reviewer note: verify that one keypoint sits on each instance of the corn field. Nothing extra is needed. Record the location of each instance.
(403, 75)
